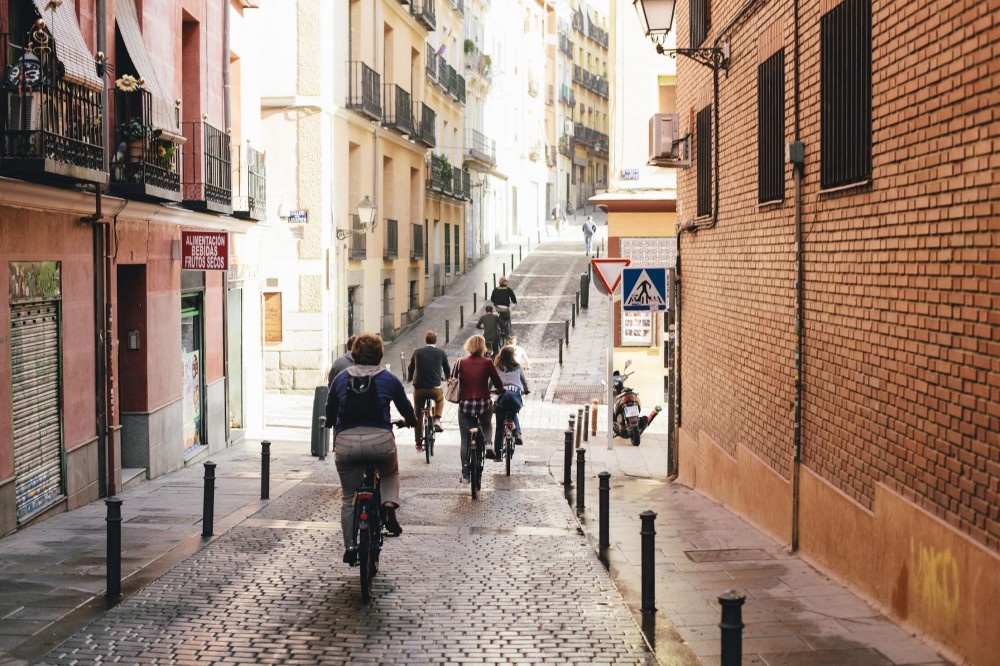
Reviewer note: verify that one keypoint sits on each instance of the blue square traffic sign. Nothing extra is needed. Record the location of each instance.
(644, 289)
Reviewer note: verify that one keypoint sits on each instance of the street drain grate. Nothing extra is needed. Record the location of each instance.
(579, 394)
(165, 520)
(728, 555)
(536, 463)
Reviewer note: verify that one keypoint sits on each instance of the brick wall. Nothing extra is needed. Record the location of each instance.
(901, 362)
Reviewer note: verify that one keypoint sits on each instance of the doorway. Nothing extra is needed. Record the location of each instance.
(192, 363)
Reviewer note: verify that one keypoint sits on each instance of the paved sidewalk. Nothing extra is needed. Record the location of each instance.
(52, 574)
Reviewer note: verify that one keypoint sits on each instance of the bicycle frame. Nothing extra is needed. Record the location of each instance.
(367, 533)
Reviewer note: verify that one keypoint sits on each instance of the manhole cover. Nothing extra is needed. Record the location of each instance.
(728, 555)
(579, 394)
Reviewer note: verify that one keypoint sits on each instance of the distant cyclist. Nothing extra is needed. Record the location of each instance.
(425, 371)
(510, 401)
(502, 298)
(358, 408)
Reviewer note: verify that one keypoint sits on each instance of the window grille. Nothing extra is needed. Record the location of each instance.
(771, 129)
(447, 249)
(846, 94)
(698, 18)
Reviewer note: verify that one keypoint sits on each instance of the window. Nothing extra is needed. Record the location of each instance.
(427, 257)
(771, 129)
(447, 249)
(704, 139)
(391, 239)
(698, 17)
(846, 94)
(414, 295)
(456, 256)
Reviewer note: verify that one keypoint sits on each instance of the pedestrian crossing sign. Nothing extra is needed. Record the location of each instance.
(644, 289)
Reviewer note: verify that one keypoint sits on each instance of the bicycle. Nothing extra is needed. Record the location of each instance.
(369, 522)
(427, 429)
(509, 441)
(477, 447)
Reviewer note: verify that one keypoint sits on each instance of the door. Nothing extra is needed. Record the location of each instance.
(234, 332)
(35, 406)
(192, 362)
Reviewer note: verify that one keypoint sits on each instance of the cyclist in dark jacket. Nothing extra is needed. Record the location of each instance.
(364, 434)
(502, 298)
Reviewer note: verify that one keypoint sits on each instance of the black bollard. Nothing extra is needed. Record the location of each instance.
(324, 442)
(567, 333)
(503, 270)
(568, 460)
(584, 290)
(447, 331)
(114, 557)
(604, 490)
(486, 289)
(580, 425)
(461, 317)
(512, 261)
(519, 257)
(581, 469)
(560, 350)
(474, 306)
(648, 562)
(732, 627)
(578, 301)
(586, 422)
(208, 506)
(494, 281)
(572, 308)
(265, 461)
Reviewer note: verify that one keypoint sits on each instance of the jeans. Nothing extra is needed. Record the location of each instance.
(504, 314)
(588, 241)
(485, 423)
(509, 402)
(354, 449)
(421, 394)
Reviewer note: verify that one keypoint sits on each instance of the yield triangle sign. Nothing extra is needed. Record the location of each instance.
(609, 272)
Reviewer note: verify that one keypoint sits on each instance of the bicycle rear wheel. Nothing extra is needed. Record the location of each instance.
(366, 559)
(475, 468)
(428, 437)
(508, 446)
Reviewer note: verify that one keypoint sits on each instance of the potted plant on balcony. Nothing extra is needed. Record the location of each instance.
(165, 151)
(470, 46)
(441, 164)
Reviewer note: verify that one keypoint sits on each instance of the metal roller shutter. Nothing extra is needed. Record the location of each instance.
(34, 376)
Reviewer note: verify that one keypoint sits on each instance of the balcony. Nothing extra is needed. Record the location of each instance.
(566, 145)
(144, 166)
(551, 154)
(250, 188)
(480, 148)
(207, 173)
(431, 67)
(364, 91)
(424, 125)
(423, 11)
(566, 46)
(597, 34)
(550, 95)
(417, 246)
(357, 247)
(398, 109)
(391, 248)
(440, 176)
(532, 86)
(578, 21)
(566, 95)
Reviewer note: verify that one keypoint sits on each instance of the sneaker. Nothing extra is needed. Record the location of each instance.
(391, 524)
(518, 441)
(489, 454)
(465, 477)
(498, 455)
(351, 556)
(437, 427)
(420, 447)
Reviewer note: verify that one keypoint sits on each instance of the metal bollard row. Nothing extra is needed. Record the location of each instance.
(114, 548)
(581, 472)
(265, 460)
(568, 459)
(604, 506)
(208, 504)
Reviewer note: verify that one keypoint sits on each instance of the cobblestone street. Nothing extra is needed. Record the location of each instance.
(504, 579)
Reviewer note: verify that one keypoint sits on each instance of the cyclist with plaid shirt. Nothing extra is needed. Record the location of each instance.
(475, 407)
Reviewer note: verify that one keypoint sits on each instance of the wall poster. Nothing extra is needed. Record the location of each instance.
(272, 316)
(637, 329)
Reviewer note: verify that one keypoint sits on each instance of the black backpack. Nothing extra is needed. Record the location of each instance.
(362, 404)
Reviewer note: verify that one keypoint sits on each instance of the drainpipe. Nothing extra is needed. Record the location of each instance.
(227, 113)
(798, 167)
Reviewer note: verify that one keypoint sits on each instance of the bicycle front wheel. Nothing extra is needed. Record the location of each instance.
(508, 446)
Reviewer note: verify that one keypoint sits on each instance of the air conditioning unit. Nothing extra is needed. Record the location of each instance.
(666, 146)
(23, 112)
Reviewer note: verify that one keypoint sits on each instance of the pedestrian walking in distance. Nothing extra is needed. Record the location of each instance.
(589, 228)
(428, 366)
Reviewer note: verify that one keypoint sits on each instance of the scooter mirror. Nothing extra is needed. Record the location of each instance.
(628, 363)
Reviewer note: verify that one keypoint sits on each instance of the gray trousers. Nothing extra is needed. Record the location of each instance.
(354, 449)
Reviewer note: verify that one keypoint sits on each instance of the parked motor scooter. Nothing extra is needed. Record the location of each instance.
(628, 422)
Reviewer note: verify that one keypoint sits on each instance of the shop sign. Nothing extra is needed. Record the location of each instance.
(205, 250)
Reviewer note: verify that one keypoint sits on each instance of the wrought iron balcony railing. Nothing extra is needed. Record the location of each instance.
(207, 175)
(424, 124)
(431, 68)
(480, 148)
(566, 46)
(144, 165)
(397, 109)
(51, 127)
(423, 11)
(357, 247)
(250, 186)
(364, 93)
(391, 249)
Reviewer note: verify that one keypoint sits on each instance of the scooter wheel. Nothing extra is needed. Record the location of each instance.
(634, 436)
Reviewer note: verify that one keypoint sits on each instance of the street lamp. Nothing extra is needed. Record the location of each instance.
(657, 18)
(366, 215)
